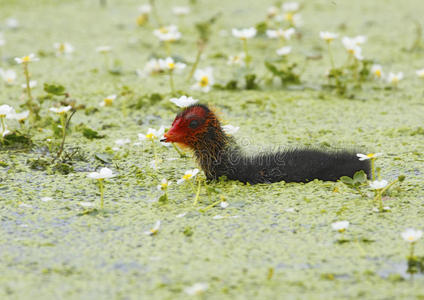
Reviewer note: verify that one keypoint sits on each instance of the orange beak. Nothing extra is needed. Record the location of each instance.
(171, 136)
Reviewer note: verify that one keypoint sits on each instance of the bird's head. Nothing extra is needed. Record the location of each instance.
(192, 126)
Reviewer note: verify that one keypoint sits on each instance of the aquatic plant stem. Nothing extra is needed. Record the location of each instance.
(101, 188)
(200, 49)
(155, 12)
(246, 53)
(3, 128)
(182, 154)
(171, 82)
(64, 125)
(411, 251)
(330, 54)
(28, 87)
(373, 169)
(155, 156)
(196, 199)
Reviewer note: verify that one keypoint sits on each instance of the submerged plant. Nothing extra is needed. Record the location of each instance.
(104, 173)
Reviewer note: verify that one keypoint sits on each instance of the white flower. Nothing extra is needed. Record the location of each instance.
(9, 76)
(103, 174)
(18, 116)
(63, 48)
(182, 215)
(359, 40)
(4, 131)
(154, 230)
(328, 36)
(152, 134)
(196, 289)
(6, 110)
(122, 142)
(290, 6)
(368, 156)
(237, 59)
(244, 34)
(230, 129)
(103, 49)
(204, 79)
(188, 175)
(224, 204)
(108, 101)
(218, 217)
(61, 110)
(340, 226)
(181, 10)
(272, 11)
(420, 73)
(394, 78)
(377, 71)
(281, 33)
(163, 184)
(411, 235)
(145, 9)
(168, 33)
(171, 65)
(183, 101)
(32, 84)
(46, 199)
(153, 66)
(284, 51)
(12, 23)
(351, 45)
(26, 59)
(378, 184)
(86, 204)
(290, 210)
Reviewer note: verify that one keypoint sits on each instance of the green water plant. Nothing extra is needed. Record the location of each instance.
(24, 61)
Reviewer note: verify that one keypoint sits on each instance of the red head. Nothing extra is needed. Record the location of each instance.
(191, 125)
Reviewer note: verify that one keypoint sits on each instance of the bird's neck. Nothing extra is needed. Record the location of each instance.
(213, 152)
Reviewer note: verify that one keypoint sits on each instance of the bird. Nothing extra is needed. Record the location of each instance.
(217, 153)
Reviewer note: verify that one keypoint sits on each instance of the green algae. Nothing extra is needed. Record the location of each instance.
(58, 249)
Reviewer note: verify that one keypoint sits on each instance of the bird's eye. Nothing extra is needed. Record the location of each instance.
(194, 124)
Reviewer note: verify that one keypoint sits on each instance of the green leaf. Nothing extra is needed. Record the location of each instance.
(91, 134)
(346, 180)
(103, 157)
(55, 89)
(360, 177)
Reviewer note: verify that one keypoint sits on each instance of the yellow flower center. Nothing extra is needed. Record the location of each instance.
(370, 155)
(108, 101)
(26, 59)
(62, 48)
(377, 73)
(164, 185)
(163, 30)
(341, 229)
(288, 17)
(171, 66)
(410, 238)
(9, 80)
(204, 81)
(150, 136)
(187, 176)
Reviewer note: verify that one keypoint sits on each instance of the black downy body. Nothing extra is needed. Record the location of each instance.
(218, 155)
